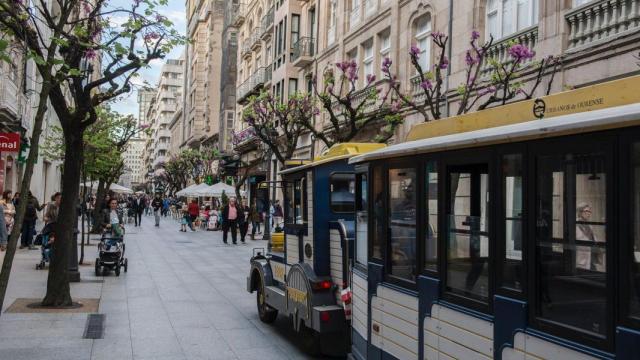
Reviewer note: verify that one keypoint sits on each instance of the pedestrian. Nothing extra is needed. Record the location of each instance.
(194, 211)
(165, 207)
(230, 216)
(185, 220)
(254, 217)
(16, 199)
(51, 214)
(91, 205)
(29, 222)
(9, 210)
(4, 234)
(139, 207)
(243, 220)
(157, 206)
(278, 214)
(112, 219)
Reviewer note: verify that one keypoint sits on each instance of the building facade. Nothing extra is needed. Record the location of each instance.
(201, 104)
(161, 112)
(134, 170)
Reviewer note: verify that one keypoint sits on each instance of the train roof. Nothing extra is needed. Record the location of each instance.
(608, 105)
(336, 152)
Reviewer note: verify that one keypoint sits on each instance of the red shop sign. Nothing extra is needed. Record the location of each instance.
(10, 142)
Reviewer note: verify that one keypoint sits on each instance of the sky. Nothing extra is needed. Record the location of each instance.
(174, 11)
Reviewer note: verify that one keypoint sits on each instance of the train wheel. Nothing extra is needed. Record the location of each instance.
(267, 313)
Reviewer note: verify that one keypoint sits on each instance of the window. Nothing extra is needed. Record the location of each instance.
(295, 29)
(505, 17)
(402, 223)
(333, 20)
(362, 218)
(512, 196)
(293, 86)
(370, 7)
(634, 293)
(343, 192)
(577, 3)
(571, 220)
(468, 232)
(377, 238)
(384, 39)
(295, 201)
(431, 221)
(368, 59)
(423, 41)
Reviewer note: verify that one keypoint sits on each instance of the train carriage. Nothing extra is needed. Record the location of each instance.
(306, 278)
(510, 233)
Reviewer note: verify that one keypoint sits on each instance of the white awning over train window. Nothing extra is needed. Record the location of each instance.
(547, 127)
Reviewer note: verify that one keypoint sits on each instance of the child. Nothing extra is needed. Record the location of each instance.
(185, 220)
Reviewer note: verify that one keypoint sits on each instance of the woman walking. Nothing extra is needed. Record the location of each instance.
(7, 213)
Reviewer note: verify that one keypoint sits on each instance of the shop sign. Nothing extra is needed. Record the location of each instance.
(9, 142)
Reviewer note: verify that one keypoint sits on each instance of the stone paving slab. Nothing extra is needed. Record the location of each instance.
(182, 298)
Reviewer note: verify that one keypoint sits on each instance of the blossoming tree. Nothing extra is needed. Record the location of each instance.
(487, 81)
(87, 53)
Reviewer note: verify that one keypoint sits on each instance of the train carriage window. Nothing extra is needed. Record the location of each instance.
(431, 223)
(362, 219)
(512, 271)
(402, 222)
(634, 293)
(571, 206)
(377, 238)
(343, 192)
(295, 201)
(468, 232)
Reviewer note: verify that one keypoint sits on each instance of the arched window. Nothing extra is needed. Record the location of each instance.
(505, 17)
(423, 40)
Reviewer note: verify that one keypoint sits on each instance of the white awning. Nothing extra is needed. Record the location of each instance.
(578, 122)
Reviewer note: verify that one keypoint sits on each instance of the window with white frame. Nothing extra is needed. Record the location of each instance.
(577, 3)
(333, 13)
(505, 17)
(384, 39)
(367, 60)
(423, 41)
(355, 13)
(370, 6)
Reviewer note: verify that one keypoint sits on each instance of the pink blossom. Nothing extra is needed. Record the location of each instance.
(426, 85)
(520, 52)
(151, 36)
(370, 78)
(475, 35)
(415, 51)
(386, 64)
(470, 59)
(90, 54)
(444, 63)
(395, 106)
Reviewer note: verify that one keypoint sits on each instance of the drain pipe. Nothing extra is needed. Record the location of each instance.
(446, 84)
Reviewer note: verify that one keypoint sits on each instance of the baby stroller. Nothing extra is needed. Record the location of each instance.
(111, 254)
(47, 235)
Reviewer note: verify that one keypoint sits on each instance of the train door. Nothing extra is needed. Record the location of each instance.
(467, 253)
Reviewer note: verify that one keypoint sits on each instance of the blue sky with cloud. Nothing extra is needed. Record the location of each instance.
(174, 11)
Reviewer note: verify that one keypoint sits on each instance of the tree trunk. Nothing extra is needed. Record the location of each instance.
(24, 190)
(100, 194)
(58, 290)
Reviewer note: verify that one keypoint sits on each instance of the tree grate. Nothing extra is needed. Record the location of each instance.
(94, 328)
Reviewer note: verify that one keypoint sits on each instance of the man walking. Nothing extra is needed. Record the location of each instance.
(138, 208)
(29, 222)
(156, 204)
(230, 216)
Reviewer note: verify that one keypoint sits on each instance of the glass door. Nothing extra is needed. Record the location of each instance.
(468, 232)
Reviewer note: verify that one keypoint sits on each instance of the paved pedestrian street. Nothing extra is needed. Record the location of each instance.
(183, 297)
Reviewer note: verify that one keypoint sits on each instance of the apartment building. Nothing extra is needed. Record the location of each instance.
(134, 170)
(203, 72)
(228, 76)
(19, 91)
(161, 112)
(145, 96)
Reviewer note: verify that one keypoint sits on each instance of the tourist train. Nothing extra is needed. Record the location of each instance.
(508, 233)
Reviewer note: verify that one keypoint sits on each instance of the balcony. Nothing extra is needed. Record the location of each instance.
(246, 48)
(245, 140)
(331, 35)
(267, 23)
(164, 133)
(255, 38)
(238, 14)
(10, 97)
(500, 50)
(599, 21)
(354, 19)
(251, 86)
(303, 51)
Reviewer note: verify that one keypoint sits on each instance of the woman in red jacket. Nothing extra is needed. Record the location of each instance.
(194, 211)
